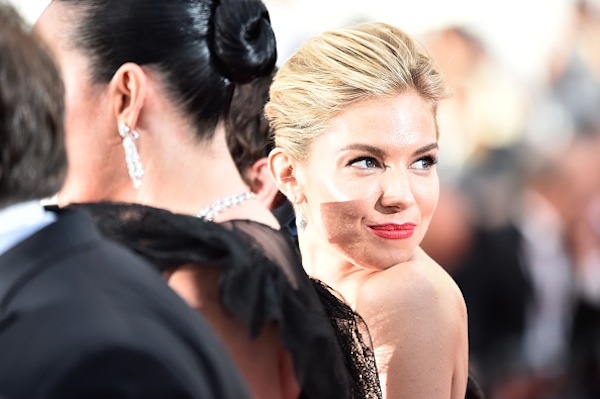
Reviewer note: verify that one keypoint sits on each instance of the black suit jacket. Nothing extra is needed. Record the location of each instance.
(81, 317)
(497, 290)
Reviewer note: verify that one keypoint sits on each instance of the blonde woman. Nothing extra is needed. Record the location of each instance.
(354, 118)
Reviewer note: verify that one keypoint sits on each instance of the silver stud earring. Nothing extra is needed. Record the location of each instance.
(301, 221)
(132, 157)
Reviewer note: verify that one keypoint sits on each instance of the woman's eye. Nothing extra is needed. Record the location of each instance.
(364, 163)
(425, 163)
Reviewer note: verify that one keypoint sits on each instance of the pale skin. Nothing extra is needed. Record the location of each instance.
(368, 189)
(180, 176)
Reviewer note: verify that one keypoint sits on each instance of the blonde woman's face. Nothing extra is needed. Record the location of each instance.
(370, 183)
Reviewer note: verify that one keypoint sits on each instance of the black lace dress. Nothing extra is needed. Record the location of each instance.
(261, 280)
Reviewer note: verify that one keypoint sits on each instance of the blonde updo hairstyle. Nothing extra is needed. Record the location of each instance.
(332, 71)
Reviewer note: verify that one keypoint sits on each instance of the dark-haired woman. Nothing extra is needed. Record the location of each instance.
(148, 84)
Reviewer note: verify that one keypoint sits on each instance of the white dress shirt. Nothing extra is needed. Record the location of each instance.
(19, 221)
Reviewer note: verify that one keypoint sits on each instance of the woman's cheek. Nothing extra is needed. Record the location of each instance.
(343, 228)
(342, 220)
(426, 193)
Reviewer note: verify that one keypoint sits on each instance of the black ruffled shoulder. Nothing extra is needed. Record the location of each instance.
(261, 280)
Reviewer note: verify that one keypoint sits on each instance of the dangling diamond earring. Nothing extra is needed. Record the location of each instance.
(301, 221)
(132, 157)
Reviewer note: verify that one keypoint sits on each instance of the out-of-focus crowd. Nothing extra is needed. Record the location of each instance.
(518, 220)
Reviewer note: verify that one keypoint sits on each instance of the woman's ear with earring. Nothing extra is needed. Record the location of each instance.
(127, 91)
(282, 169)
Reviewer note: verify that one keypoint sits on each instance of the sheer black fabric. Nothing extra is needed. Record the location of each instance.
(351, 332)
(261, 280)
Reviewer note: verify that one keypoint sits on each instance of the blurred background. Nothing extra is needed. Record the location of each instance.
(518, 220)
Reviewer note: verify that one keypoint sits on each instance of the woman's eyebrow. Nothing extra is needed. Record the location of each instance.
(426, 148)
(380, 152)
(364, 147)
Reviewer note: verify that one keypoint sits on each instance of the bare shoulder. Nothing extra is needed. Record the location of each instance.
(415, 288)
(417, 318)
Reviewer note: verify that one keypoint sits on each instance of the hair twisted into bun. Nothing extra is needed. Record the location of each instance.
(244, 41)
(200, 48)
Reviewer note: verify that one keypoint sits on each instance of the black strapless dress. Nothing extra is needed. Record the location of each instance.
(261, 280)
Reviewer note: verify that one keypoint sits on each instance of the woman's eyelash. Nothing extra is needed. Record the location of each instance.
(426, 162)
(367, 159)
(371, 162)
(430, 159)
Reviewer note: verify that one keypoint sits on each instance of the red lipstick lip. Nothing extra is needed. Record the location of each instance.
(392, 231)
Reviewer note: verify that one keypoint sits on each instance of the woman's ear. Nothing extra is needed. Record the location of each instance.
(284, 170)
(127, 91)
(262, 184)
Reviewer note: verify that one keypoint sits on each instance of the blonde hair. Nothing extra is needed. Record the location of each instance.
(334, 70)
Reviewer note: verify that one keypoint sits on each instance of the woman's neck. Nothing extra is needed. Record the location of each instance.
(187, 176)
(321, 261)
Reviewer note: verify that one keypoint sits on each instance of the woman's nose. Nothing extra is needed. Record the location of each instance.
(397, 190)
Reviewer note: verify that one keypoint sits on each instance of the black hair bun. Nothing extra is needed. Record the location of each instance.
(244, 41)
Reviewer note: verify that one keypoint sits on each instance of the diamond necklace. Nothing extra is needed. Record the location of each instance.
(214, 209)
